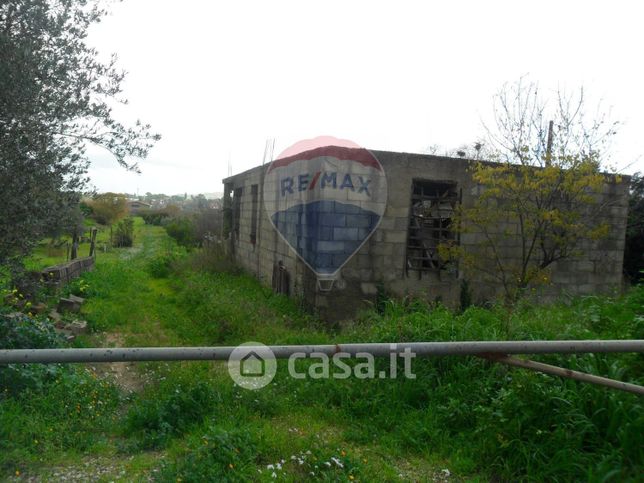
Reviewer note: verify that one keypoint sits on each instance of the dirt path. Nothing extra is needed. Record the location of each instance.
(123, 374)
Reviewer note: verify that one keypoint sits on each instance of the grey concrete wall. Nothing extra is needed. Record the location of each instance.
(381, 260)
(269, 248)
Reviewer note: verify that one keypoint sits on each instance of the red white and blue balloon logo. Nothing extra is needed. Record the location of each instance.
(325, 197)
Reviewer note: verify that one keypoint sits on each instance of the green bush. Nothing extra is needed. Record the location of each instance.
(72, 411)
(47, 406)
(218, 455)
(161, 265)
(124, 233)
(169, 411)
(155, 217)
(182, 229)
(508, 424)
(212, 258)
(20, 331)
(79, 287)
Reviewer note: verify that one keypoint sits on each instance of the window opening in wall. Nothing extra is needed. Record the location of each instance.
(254, 194)
(433, 204)
(237, 193)
(228, 210)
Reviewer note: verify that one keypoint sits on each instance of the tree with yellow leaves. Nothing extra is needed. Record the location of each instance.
(537, 199)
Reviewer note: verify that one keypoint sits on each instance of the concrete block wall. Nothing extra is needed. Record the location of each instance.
(269, 248)
(381, 261)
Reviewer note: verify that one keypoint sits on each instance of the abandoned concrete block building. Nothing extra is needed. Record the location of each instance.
(400, 257)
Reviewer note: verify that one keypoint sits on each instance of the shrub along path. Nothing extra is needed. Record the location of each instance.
(461, 418)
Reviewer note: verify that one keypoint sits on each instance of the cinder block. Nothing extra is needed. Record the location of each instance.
(364, 261)
(334, 220)
(400, 250)
(348, 272)
(389, 275)
(387, 223)
(399, 212)
(324, 233)
(395, 236)
(369, 288)
(345, 233)
(382, 249)
(366, 274)
(358, 221)
(585, 266)
(401, 224)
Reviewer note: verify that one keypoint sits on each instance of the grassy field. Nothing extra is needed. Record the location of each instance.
(50, 252)
(460, 419)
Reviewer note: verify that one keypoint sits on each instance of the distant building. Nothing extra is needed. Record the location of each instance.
(136, 206)
(400, 257)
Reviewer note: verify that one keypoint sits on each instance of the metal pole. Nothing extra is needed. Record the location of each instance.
(422, 349)
(549, 147)
(567, 373)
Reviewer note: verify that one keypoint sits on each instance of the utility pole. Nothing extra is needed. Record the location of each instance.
(549, 147)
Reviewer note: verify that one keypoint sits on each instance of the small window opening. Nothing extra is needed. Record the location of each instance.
(237, 194)
(433, 204)
(254, 194)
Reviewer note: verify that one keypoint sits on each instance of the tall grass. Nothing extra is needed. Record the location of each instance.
(479, 419)
(484, 418)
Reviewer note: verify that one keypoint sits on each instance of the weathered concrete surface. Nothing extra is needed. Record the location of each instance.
(381, 262)
(66, 272)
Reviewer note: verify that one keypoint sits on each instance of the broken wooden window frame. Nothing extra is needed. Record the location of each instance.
(431, 213)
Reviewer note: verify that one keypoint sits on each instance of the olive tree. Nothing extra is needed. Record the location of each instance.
(56, 97)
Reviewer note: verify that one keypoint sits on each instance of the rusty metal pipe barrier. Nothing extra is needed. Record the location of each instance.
(497, 351)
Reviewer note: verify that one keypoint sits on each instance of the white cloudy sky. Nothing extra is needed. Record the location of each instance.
(217, 78)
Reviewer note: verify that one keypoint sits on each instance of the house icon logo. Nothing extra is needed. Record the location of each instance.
(252, 365)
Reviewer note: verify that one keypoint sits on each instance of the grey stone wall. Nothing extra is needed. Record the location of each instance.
(64, 273)
(381, 261)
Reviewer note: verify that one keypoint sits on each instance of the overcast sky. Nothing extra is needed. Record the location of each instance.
(216, 79)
